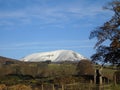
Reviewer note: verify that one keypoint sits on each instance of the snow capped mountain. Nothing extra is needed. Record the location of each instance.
(54, 56)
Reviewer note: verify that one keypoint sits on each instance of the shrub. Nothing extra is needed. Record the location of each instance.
(85, 67)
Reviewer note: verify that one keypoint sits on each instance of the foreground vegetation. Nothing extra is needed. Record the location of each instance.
(74, 86)
(16, 75)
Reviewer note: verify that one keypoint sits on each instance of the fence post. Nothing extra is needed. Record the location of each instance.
(89, 86)
(53, 87)
(42, 87)
(62, 87)
(91, 82)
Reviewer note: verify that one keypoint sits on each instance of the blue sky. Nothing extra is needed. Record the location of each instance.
(30, 26)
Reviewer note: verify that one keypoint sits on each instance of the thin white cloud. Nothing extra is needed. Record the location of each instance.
(68, 44)
(51, 15)
(2, 23)
(45, 48)
(52, 42)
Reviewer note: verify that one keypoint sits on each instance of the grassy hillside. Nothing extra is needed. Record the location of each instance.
(4, 60)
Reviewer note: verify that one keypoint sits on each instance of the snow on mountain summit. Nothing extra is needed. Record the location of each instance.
(54, 56)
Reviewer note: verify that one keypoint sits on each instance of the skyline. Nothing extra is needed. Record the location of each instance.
(31, 26)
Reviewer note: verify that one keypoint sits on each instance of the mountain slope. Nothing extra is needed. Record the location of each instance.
(3, 60)
(54, 56)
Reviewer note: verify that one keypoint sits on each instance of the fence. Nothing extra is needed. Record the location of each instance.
(75, 86)
(86, 86)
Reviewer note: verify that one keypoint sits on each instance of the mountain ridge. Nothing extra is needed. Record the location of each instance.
(54, 56)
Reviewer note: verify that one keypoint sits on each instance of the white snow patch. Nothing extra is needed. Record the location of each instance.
(54, 56)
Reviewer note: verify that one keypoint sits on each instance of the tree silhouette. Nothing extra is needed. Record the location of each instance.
(110, 31)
